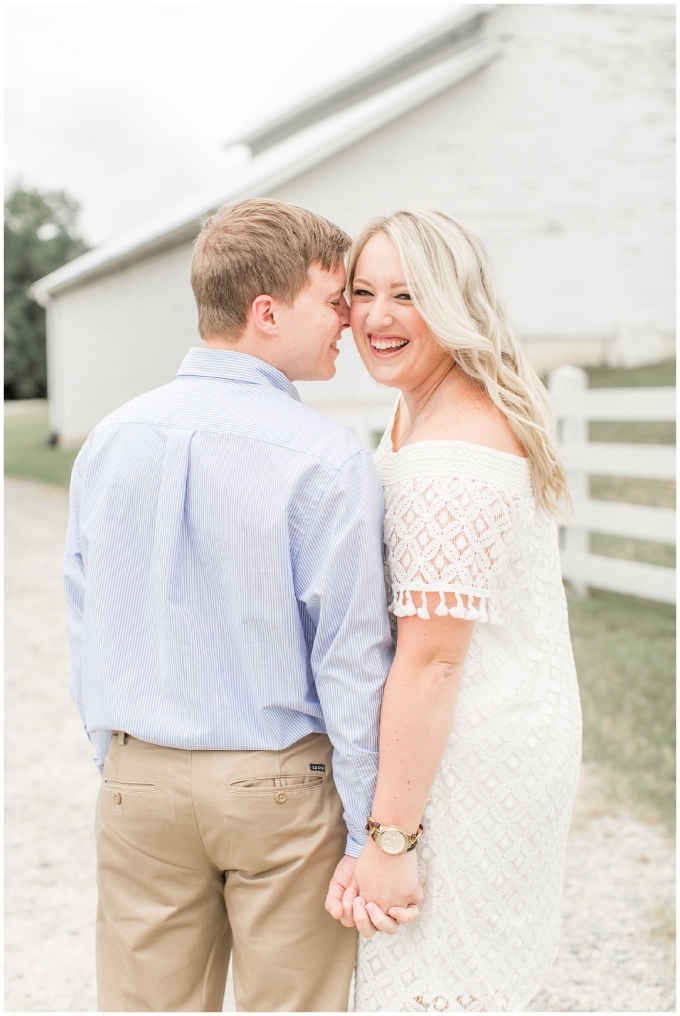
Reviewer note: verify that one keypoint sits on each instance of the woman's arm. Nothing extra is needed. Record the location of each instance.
(415, 722)
(417, 712)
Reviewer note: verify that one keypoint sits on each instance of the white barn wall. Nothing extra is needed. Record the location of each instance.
(560, 154)
(117, 337)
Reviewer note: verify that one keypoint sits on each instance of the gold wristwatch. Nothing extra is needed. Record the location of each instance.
(392, 838)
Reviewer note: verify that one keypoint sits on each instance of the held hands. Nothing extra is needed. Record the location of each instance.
(377, 892)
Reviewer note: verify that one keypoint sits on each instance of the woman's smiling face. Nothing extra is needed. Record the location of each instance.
(393, 340)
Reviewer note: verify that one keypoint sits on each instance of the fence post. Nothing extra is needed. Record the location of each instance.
(568, 384)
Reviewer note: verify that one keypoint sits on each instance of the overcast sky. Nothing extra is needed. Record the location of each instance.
(128, 107)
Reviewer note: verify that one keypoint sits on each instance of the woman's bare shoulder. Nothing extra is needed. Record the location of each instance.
(470, 415)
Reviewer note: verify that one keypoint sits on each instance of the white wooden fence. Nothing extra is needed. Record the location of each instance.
(576, 406)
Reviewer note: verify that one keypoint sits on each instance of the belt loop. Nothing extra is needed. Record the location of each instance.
(122, 737)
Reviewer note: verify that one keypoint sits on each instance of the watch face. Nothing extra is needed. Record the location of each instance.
(392, 841)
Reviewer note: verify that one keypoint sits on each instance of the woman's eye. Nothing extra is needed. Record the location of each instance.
(361, 292)
(403, 296)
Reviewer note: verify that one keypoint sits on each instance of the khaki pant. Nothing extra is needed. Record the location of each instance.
(205, 852)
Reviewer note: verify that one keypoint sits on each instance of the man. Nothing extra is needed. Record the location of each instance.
(227, 617)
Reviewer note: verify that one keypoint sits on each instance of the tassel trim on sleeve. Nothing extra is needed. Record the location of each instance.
(403, 605)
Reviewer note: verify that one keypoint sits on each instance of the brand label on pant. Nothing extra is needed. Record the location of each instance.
(317, 768)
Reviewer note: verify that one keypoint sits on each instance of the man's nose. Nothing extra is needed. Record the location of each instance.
(343, 312)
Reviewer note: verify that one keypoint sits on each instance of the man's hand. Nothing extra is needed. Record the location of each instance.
(340, 883)
(386, 880)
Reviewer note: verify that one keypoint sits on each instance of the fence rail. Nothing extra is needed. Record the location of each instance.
(650, 462)
(576, 406)
(633, 520)
(638, 404)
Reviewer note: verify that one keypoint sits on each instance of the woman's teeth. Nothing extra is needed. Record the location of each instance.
(391, 344)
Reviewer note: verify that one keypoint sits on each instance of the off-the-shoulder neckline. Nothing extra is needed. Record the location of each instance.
(467, 444)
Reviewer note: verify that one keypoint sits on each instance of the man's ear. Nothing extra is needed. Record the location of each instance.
(263, 314)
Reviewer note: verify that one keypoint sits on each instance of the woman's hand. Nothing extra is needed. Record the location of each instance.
(389, 880)
(345, 904)
(369, 918)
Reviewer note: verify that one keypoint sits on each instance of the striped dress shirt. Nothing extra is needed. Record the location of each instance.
(224, 577)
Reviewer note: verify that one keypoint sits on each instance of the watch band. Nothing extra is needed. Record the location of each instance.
(388, 837)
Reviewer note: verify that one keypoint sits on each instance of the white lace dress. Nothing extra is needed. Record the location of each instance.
(461, 520)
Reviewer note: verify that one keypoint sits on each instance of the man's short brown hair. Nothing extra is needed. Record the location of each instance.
(257, 247)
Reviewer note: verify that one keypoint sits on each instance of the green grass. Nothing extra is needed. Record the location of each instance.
(634, 491)
(625, 659)
(652, 375)
(28, 452)
(630, 432)
(644, 551)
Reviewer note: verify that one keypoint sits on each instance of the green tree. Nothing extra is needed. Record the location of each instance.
(40, 235)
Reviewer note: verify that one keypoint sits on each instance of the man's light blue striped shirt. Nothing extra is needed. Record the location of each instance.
(224, 577)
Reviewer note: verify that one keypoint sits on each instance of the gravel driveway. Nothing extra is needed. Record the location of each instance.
(620, 873)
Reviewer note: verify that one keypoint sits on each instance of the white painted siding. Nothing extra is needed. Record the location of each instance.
(117, 337)
(560, 154)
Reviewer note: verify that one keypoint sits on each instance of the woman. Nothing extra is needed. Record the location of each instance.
(481, 727)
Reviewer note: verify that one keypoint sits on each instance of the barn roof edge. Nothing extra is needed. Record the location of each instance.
(441, 40)
(272, 168)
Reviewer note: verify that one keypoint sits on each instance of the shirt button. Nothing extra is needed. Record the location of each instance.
(280, 797)
(117, 798)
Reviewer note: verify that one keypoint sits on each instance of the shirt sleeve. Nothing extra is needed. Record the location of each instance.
(451, 535)
(340, 581)
(74, 589)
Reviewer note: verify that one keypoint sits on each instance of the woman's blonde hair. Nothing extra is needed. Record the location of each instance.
(452, 285)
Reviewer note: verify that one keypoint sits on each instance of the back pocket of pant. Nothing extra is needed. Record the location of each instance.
(117, 786)
(270, 784)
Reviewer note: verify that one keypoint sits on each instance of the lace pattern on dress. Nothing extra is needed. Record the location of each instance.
(491, 857)
(450, 535)
(456, 458)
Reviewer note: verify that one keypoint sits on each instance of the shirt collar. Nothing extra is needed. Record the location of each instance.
(235, 367)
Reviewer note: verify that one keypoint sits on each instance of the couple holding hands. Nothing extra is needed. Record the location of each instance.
(290, 756)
